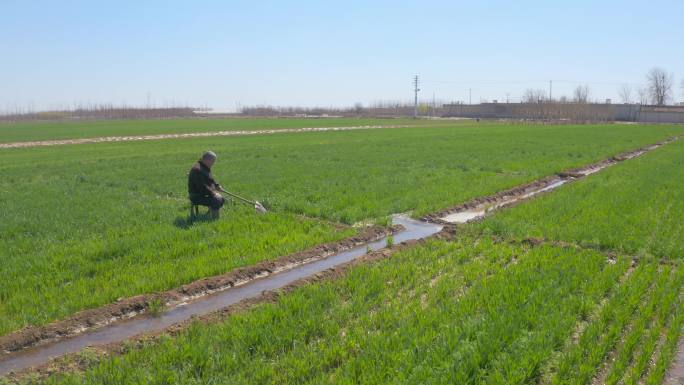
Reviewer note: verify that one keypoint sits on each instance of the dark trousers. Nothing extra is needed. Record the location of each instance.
(213, 202)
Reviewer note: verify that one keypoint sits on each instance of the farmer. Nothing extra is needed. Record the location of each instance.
(202, 187)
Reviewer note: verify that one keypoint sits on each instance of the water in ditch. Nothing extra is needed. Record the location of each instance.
(128, 328)
(482, 209)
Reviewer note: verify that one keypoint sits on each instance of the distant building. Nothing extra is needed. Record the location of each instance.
(567, 111)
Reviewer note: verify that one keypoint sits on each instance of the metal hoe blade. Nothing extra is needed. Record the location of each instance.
(260, 208)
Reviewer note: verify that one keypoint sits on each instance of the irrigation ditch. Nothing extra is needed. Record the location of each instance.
(479, 207)
(129, 320)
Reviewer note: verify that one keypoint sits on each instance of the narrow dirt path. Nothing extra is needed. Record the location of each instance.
(675, 374)
(102, 139)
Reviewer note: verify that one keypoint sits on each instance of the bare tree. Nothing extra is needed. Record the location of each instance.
(642, 94)
(534, 95)
(625, 92)
(581, 94)
(659, 85)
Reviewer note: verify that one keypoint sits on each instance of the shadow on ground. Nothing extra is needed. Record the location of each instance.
(184, 222)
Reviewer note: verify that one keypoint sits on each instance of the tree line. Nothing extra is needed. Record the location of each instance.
(658, 90)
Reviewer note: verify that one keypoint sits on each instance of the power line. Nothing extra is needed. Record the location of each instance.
(484, 81)
(496, 82)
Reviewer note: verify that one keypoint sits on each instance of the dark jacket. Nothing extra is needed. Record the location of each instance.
(200, 180)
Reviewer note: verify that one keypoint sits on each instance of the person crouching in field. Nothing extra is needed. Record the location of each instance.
(202, 187)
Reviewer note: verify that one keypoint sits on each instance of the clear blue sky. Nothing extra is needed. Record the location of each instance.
(318, 53)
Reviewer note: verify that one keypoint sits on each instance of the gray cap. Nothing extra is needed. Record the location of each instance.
(209, 155)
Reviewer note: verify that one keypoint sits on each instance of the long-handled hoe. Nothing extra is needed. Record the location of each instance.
(257, 206)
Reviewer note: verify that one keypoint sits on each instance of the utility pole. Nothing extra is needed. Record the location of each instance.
(550, 90)
(415, 97)
(470, 96)
(433, 104)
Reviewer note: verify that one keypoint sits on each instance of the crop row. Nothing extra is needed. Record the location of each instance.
(618, 343)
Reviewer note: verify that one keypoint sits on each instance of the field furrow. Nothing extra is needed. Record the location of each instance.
(668, 353)
(638, 339)
(673, 300)
(591, 313)
(578, 365)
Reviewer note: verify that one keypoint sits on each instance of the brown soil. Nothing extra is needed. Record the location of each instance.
(186, 135)
(93, 318)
